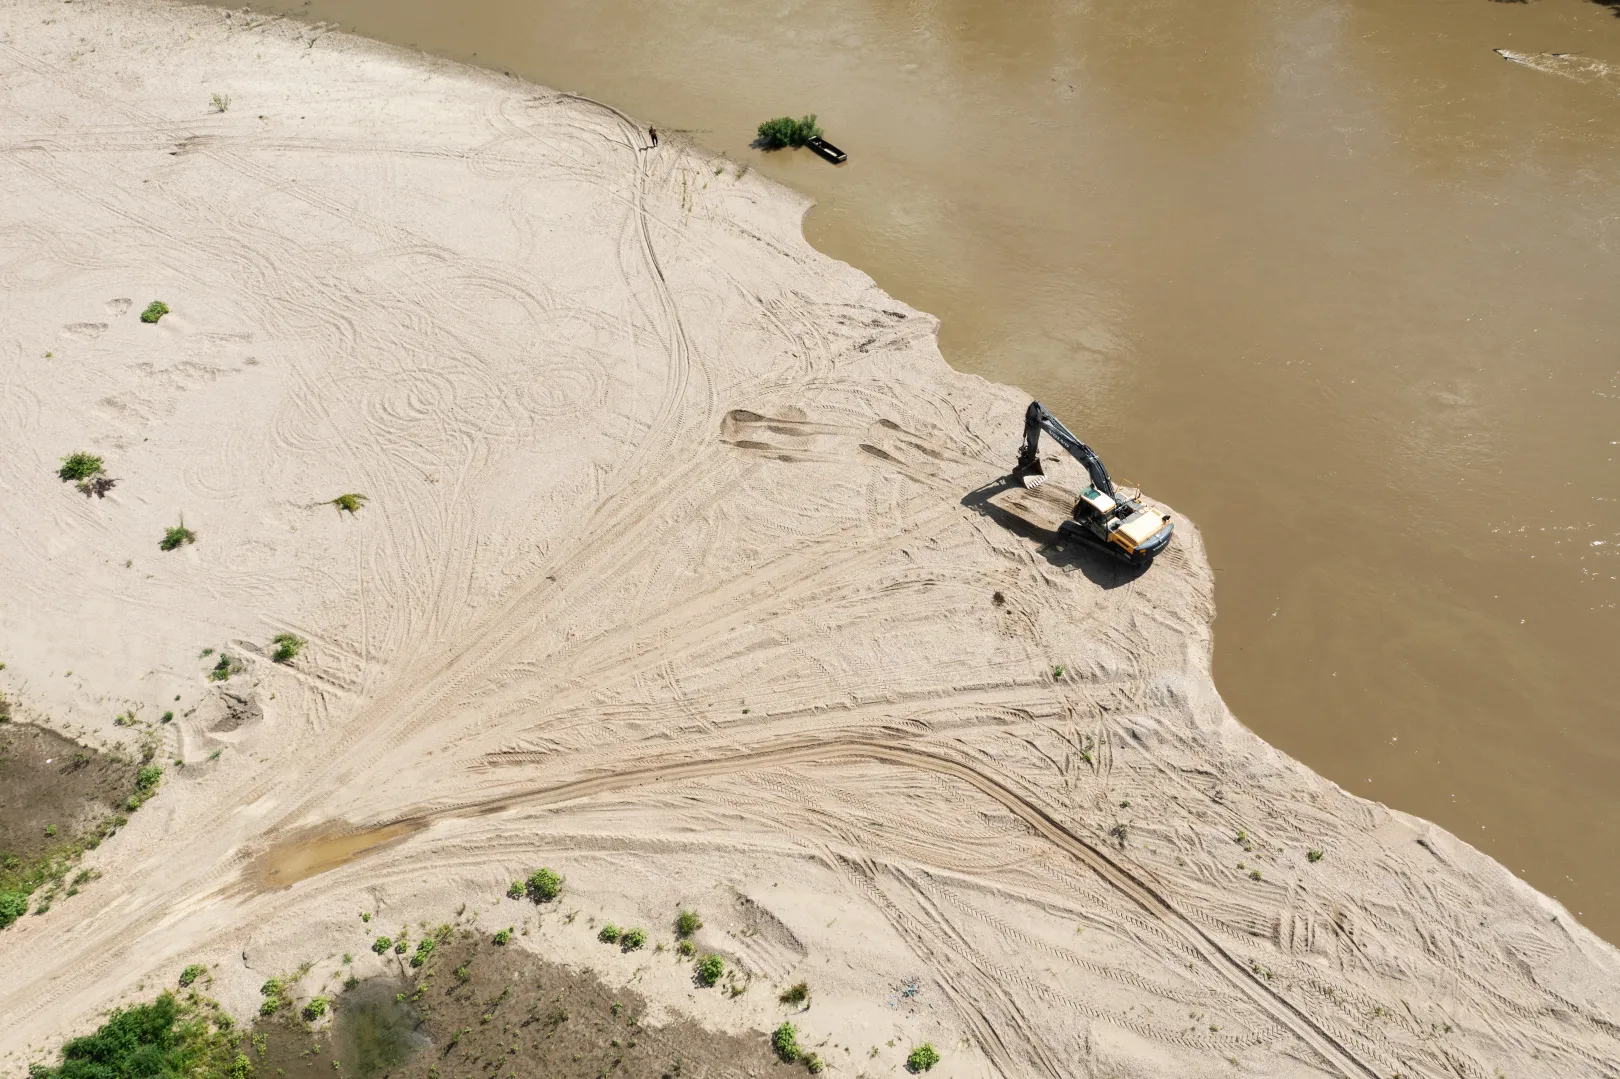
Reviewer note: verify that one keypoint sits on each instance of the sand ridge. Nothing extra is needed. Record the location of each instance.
(686, 568)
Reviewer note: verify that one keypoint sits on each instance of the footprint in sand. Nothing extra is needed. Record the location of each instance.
(119, 306)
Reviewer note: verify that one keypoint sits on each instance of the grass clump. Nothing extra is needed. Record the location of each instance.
(424, 948)
(504, 936)
(785, 1040)
(795, 994)
(381, 945)
(709, 969)
(922, 1058)
(223, 670)
(633, 939)
(146, 785)
(176, 536)
(154, 311)
(316, 1008)
(164, 1039)
(13, 905)
(79, 467)
(348, 503)
(275, 997)
(86, 472)
(219, 102)
(543, 885)
(287, 647)
(1314, 855)
(786, 131)
(609, 934)
(686, 949)
(687, 923)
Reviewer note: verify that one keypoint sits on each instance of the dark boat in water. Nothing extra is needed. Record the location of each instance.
(826, 150)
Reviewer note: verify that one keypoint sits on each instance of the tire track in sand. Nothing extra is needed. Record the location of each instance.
(1269, 1001)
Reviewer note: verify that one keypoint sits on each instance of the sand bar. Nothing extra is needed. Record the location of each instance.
(685, 568)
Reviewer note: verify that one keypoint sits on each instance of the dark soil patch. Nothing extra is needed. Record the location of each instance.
(57, 800)
(50, 781)
(478, 1010)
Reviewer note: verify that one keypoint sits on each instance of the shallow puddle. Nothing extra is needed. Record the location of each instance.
(297, 858)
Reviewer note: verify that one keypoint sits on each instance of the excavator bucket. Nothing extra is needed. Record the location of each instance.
(1031, 475)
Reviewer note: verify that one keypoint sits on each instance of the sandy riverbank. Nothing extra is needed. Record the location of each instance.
(671, 513)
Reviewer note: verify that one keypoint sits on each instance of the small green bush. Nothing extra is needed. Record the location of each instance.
(13, 905)
(922, 1058)
(241, 1067)
(315, 1008)
(543, 885)
(146, 785)
(177, 536)
(814, 1064)
(287, 647)
(79, 467)
(686, 949)
(349, 503)
(785, 1041)
(1313, 855)
(224, 669)
(503, 936)
(400, 946)
(154, 311)
(687, 923)
(191, 974)
(424, 948)
(515, 890)
(633, 939)
(381, 945)
(795, 994)
(609, 934)
(786, 131)
(710, 968)
(275, 996)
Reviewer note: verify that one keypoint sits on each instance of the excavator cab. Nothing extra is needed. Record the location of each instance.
(1126, 529)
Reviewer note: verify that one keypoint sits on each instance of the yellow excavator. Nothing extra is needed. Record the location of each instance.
(1123, 528)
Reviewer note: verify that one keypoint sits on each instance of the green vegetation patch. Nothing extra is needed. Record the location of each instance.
(687, 922)
(543, 885)
(633, 939)
(785, 1041)
(797, 993)
(192, 973)
(154, 311)
(78, 467)
(146, 785)
(922, 1058)
(224, 668)
(287, 647)
(786, 131)
(609, 934)
(176, 536)
(166, 1039)
(350, 503)
(709, 969)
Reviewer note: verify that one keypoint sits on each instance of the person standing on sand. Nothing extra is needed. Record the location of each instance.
(652, 133)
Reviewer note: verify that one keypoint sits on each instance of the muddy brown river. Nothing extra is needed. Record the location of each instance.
(1333, 277)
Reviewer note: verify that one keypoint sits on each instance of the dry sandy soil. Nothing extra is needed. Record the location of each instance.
(679, 572)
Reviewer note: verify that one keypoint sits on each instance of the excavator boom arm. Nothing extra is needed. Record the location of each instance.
(1037, 419)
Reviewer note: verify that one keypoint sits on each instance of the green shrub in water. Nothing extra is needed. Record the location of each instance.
(786, 131)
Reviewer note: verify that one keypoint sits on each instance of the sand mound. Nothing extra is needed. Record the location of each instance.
(684, 568)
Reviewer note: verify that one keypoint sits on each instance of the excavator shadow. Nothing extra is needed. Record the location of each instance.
(1035, 516)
